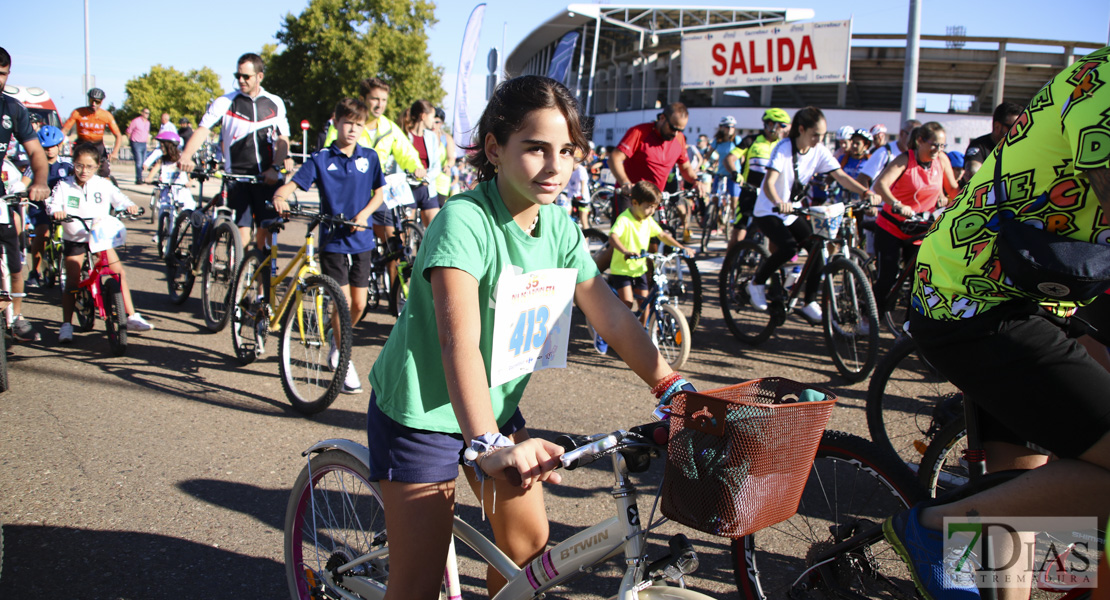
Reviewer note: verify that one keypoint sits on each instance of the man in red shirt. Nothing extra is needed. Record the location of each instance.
(91, 121)
(650, 151)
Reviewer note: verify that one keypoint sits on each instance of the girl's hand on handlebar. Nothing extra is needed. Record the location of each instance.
(60, 215)
(530, 461)
(133, 209)
(785, 207)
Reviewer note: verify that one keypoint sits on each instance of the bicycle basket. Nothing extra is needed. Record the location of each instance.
(738, 457)
(826, 219)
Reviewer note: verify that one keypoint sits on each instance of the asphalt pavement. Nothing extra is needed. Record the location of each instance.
(165, 473)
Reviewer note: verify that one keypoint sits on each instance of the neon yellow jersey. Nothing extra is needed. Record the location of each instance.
(392, 145)
(757, 156)
(1063, 132)
(635, 235)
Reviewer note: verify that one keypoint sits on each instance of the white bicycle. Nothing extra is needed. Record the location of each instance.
(336, 545)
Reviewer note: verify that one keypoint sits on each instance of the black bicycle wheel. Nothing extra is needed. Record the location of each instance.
(709, 220)
(116, 322)
(601, 207)
(163, 234)
(3, 362)
(747, 323)
(684, 287)
(52, 269)
(908, 402)
(895, 306)
(310, 382)
(399, 292)
(250, 323)
(333, 516)
(944, 466)
(849, 319)
(84, 307)
(413, 234)
(852, 488)
(220, 263)
(179, 259)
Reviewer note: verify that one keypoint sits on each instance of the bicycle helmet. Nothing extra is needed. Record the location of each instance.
(96, 94)
(168, 136)
(442, 116)
(956, 158)
(845, 133)
(865, 134)
(776, 115)
(50, 136)
(877, 129)
(728, 121)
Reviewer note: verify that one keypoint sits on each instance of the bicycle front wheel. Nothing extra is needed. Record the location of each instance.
(850, 321)
(249, 322)
(413, 234)
(52, 262)
(746, 322)
(709, 223)
(311, 383)
(217, 274)
(116, 323)
(163, 234)
(179, 259)
(671, 335)
(944, 467)
(84, 306)
(852, 488)
(684, 288)
(334, 516)
(399, 293)
(601, 207)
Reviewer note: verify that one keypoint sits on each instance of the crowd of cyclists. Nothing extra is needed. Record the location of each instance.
(988, 320)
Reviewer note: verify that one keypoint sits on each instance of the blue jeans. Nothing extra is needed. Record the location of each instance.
(138, 149)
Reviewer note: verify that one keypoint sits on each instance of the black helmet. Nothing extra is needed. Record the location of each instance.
(96, 94)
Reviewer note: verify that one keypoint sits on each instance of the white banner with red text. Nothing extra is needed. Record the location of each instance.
(784, 54)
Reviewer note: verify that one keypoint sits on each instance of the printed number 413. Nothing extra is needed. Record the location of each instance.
(530, 330)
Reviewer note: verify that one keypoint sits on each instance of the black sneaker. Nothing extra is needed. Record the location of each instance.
(24, 331)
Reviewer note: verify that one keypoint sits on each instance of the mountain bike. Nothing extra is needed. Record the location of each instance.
(6, 294)
(206, 242)
(391, 284)
(166, 216)
(262, 299)
(601, 204)
(849, 318)
(894, 305)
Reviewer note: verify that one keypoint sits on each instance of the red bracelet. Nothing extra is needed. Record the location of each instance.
(664, 383)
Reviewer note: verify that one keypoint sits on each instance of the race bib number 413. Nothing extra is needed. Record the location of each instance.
(531, 326)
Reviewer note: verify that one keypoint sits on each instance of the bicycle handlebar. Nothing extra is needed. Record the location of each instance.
(580, 451)
(21, 196)
(86, 220)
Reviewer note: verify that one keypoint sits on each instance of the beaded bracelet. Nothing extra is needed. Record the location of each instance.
(674, 388)
(664, 383)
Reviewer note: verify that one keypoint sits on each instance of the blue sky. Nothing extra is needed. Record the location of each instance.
(128, 38)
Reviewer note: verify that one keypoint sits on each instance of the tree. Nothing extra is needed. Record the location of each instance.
(334, 44)
(167, 90)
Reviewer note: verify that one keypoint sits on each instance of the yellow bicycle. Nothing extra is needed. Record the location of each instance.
(311, 363)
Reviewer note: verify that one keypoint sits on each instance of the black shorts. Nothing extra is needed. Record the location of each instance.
(74, 248)
(347, 269)
(425, 199)
(1033, 382)
(620, 281)
(248, 200)
(9, 244)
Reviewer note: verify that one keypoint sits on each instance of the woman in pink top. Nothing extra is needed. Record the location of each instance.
(917, 181)
(138, 133)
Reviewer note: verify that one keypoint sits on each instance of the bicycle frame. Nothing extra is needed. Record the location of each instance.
(303, 264)
(557, 566)
(97, 271)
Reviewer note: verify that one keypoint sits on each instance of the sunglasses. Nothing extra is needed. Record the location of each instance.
(675, 129)
(937, 146)
(242, 76)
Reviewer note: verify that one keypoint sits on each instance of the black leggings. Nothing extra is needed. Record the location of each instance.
(787, 239)
(889, 251)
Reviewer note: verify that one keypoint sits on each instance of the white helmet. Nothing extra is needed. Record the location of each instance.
(845, 133)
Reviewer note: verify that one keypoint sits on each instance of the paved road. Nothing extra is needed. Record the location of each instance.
(165, 473)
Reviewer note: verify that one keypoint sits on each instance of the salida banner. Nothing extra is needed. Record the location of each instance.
(783, 54)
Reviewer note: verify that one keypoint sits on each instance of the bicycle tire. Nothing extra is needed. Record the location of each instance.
(249, 323)
(116, 321)
(51, 263)
(3, 366)
(221, 260)
(179, 259)
(154, 199)
(685, 288)
(852, 487)
(670, 333)
(413, 234)
(708, 223)
(849, 318)
(334, 514)
(896, 306)
(601, 207)
(399, 293)
(943, 467)
(747, 324)
(163, 234)
(84, 307)
(310, 383)
(908, 402)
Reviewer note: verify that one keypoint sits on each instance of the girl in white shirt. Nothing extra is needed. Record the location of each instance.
(87, 195)
(174, 182)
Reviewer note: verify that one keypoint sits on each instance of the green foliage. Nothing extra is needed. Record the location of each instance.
(334, 44)
(167, 90)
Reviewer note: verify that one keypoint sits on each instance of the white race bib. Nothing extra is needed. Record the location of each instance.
(531, 324)
(108, 232)
(397, 191)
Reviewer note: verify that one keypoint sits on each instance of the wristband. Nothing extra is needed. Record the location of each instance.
(482, 446)
(662, 385)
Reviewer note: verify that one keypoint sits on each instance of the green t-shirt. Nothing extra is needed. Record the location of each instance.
(474, 233)
(635, 236)
(1064, 131)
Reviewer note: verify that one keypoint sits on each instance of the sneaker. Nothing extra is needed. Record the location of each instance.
(757, 295)
(65, 334)
(812, 312)
(600, 345)
(136, 322)
(333, 355)
(33, 280)
(351, 383)
(24, 331)
(923, 552)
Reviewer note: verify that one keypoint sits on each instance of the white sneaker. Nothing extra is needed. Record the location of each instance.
(333, 355)
(351, 383)
(757, 295)
(136, 322)
(812, 312)
(65, 334)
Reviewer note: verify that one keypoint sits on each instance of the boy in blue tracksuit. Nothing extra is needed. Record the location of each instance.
(350, 181)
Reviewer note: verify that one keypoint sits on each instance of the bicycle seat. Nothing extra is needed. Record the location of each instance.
(272, 225)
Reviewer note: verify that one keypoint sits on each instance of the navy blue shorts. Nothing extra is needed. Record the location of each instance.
(384, 217)
(425, 199)
(399, 453)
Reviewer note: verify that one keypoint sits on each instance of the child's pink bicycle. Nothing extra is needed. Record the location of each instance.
(99, 292)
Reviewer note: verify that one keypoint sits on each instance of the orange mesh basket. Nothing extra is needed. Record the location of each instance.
(738, 457)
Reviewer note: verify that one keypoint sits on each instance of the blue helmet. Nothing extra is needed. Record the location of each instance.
(956, 158)
(50, 136)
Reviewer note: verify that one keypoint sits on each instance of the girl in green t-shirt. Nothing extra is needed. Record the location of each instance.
(432, 394)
